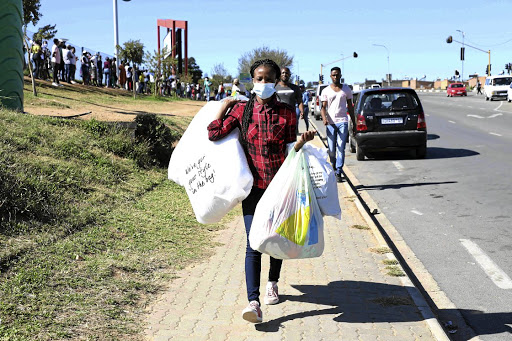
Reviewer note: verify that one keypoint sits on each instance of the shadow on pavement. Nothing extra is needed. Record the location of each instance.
(432, 153)
(369, 302)
(351, 301)
(398, 186)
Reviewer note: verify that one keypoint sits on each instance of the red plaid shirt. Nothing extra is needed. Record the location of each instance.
(273, 126)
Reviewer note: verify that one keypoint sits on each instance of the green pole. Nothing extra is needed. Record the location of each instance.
(11, 57)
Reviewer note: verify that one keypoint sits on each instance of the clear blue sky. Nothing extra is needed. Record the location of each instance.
(313, 32)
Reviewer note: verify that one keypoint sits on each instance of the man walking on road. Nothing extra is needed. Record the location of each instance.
(336, 98)
(289, 93)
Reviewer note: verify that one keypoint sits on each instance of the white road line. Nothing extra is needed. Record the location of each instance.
(417, 212)
(495, 115)
(451, 121)
(482, 108)
(499, 106)
(427, 115)
(476, 116)
(398, 165)
(493, 271)
(495, 134)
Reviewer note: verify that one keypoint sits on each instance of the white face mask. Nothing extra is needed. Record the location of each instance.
(264, 90)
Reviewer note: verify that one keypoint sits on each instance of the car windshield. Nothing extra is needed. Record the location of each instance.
(390, 101)
(502, 81)
(457, 86)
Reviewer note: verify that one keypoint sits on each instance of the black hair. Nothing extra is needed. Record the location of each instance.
(336, 68)
(247, 115)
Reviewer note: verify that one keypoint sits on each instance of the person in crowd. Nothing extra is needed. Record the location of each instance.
(207, 85)
(94, 71)
(305, 103)
(222, 92)
(198, 92)
(262, 115)
(238, 88)
(62, 45)
(99, 65)
(129, 77)
(106, 72)
(56, 57)
(122, 75)
(336, 99)
(113, 73)
(141, 81)
(478, 87)
(192, 91)
(84, 60)
(289, 93)
(216, 95)
(66, 55)
(188, 90)
(72, 65)
(36, 51)
(45, 60)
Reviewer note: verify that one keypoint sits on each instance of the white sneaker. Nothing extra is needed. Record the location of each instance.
(271, 294)
(55, 84)
(73, 82)
(253, 312)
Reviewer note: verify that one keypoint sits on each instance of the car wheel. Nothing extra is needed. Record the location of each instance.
(509, 100)
(351, 144)
(421, 152)
(359, 153)
(486, 98)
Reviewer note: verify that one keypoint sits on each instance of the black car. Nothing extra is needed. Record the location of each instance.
(388, 118)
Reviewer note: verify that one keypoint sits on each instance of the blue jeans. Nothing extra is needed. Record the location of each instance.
(252, 257)
(207, 94)
(336, 140)
(66, 72)
(106, 72)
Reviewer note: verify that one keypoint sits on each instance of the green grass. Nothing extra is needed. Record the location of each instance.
(395, 271)
(360, 227)
(87, 235)
(380, 250)
(390, 261)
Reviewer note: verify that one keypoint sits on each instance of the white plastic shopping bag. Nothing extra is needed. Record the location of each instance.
(323, 180)
(287, 222)
(215, 175)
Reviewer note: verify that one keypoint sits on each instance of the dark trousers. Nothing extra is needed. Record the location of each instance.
(252, 257)
(55, 72)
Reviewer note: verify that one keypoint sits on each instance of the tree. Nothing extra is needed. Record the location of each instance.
(160, 66)
(194, 70)
(133, 52)
(32, 15)
(281, 57)
(219, 74)
(46, 32)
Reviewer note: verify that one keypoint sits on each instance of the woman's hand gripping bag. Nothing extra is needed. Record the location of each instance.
(287, 223)
(323, 180)
(215, 175)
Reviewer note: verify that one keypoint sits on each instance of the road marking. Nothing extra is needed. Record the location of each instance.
(398, 165)
(451, 121)
(495, 134)
(499, 106)
(495, 115)
(493, 271)
(417, 212)
(482, 108)
(476, 116)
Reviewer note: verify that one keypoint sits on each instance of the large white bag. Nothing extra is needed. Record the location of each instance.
(287, 222)
(323, 180)
(215, 175)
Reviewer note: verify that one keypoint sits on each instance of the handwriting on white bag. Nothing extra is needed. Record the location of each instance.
(317, 177)
(200, 174)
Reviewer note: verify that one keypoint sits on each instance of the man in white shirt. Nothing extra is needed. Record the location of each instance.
(238, 88)
(336, 99)
(56, 57)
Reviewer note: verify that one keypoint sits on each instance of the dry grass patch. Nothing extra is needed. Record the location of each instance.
(380, 250)
(360, 227)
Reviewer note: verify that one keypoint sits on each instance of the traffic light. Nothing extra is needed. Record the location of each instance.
(462, 53)
(449, 40)
(488, 70)
(355, 55)
(456, 72)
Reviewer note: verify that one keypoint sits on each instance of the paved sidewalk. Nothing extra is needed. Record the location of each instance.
(346, 294)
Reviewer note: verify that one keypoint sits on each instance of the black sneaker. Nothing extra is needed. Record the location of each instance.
(339, 178)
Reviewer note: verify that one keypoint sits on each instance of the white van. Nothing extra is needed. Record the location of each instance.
(496, 87)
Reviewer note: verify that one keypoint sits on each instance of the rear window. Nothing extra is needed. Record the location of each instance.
(389, 101)
(457, 86)
(502, 81)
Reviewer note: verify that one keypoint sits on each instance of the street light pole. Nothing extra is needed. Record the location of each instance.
(389, 74)
(462, 59)
(116, 35)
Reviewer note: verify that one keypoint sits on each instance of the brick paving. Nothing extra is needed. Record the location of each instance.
(346, 294)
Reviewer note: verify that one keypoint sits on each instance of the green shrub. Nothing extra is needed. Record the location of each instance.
(151, 130)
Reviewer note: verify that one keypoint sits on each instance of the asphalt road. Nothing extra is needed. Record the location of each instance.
(454, 208)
